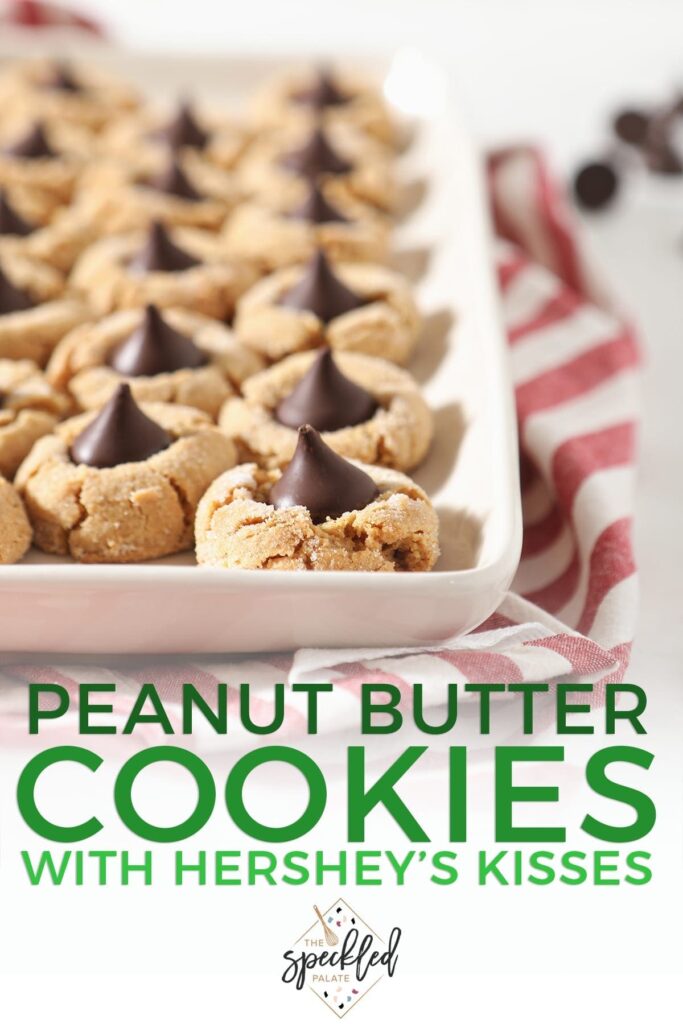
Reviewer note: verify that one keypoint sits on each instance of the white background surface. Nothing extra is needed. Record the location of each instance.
(548, 71)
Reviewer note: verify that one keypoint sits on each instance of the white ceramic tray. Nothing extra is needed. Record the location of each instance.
(173, 606)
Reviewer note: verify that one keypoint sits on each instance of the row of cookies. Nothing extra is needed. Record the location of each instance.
(121, 483)
(72, 137)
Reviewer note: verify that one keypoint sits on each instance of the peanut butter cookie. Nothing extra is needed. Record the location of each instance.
(179, 189)
(65, 93)
(351, 307)
(35, 313)
(29, 408)
(335, 97)
(42, 160)
(321, 513)
(176, 268)
(278, 167)
(58, 242)
(347, 232)
(15, 529)
(122, 486)
(366, 409)
(175, 356)
(148, 133)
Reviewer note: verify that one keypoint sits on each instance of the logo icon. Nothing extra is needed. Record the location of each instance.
(340, 957)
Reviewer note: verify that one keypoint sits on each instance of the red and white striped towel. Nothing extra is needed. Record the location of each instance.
(36, 15)
(572, 608)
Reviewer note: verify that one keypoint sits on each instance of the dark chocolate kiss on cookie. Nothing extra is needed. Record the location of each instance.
(33, 145)
(155, 347)
(119, 433)
(326, 399)
(174, 182)
(322, 481)
(321, 292)
(316, 210)
(159, 253)
(184, 130)
(12, 299)
(11, 223)
(63, 79)
(316, 156)
(324, 92)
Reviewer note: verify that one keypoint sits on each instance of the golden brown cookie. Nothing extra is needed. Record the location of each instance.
(238, 528)
(29, 408)
(32, 209)
(65, 93)
(110, 273)
(278, 167)
(58, 242)
(35, 313)
(181, 189)
(144, 136)
(43, 161)
(15, 529)
(374, 311)
(129, 512)
(304, 96)
(81, 362)
(271, 239)
(397, 434)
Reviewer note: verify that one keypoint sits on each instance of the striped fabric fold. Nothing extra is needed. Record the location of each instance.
(571, 612)
(36, 15)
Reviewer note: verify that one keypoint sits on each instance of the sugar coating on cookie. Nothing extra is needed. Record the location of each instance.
(397, 435)
(15, 529)
(130, 512)
(237, 528)
(386, 324)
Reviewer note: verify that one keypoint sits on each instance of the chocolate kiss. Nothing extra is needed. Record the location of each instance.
(12, 299)
(159, 253)
(326, 399)
(119, 433)
(316, 210)
(661, 154)
(11, 223)
(155, 347)
(316, 157)
(323, 93)
(32, 146)
(63, 79)
(321, 291)
(322, 481)
(184, 130)
(174, 182)
(662, 158)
